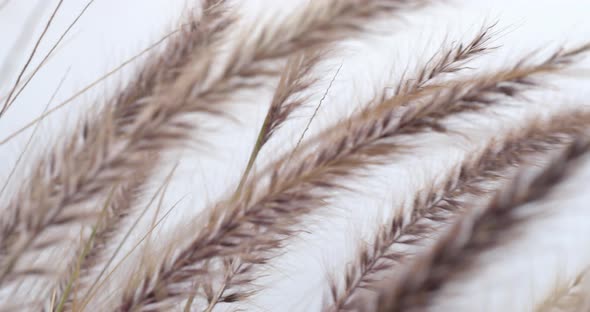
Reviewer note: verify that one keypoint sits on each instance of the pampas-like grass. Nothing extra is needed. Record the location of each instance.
(313, 27)
(259, 224)
(292, 82)
(148, 115)
(358, 275)
(102, 151)
(91, 254)
(476, 230)
(568, 297)
(448, 62)
(471, 179)
(237, 272)
(297, 188)
(295, 79)
(92, 179)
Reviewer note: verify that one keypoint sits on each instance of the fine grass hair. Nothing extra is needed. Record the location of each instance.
(66, 230)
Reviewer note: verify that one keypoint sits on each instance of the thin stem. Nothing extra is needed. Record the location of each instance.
(34, 132)
(127, 235)
(88, 297)
(317, 108)
(8, 101)
(216, 298)
(255, 151)
(87, 246)
(86, 88)
(46, 57)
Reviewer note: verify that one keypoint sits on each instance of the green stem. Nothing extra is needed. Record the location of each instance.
(257, 147)
(87, 246)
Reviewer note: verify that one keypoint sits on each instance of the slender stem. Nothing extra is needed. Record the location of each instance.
(317, 108)
(349, 291)
(9, 98)
(216, 298)
(128, 234)
(47, 55)
(28, 144)
(74, 277)
(87, 246)
(88, 87)
(254, 153)
(189, 303)
(229, 275)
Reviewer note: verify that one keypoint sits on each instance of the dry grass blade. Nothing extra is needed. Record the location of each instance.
(92, 254)
(441, 204)
(236, 275)
(88, 87)
(449, 61)
(98, 283)
(473, 232)
(311, 28)
(141, 121)
(295, 79)
(7, 64)
(445, 62)
(295, 189)
(10, 100)
(323, 22)
(66, 284)
(297, 192)
(121, 208)
(101, 152)
(287, 98)
(259, 224)
(376, 257)
(7, 103)
(569, 297)
(316, 110)
(33, 133)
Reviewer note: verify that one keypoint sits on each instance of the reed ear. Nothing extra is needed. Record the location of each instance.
(308, 30)
(376, 258)
(93, 175)
(481, 227)
(65, 232)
